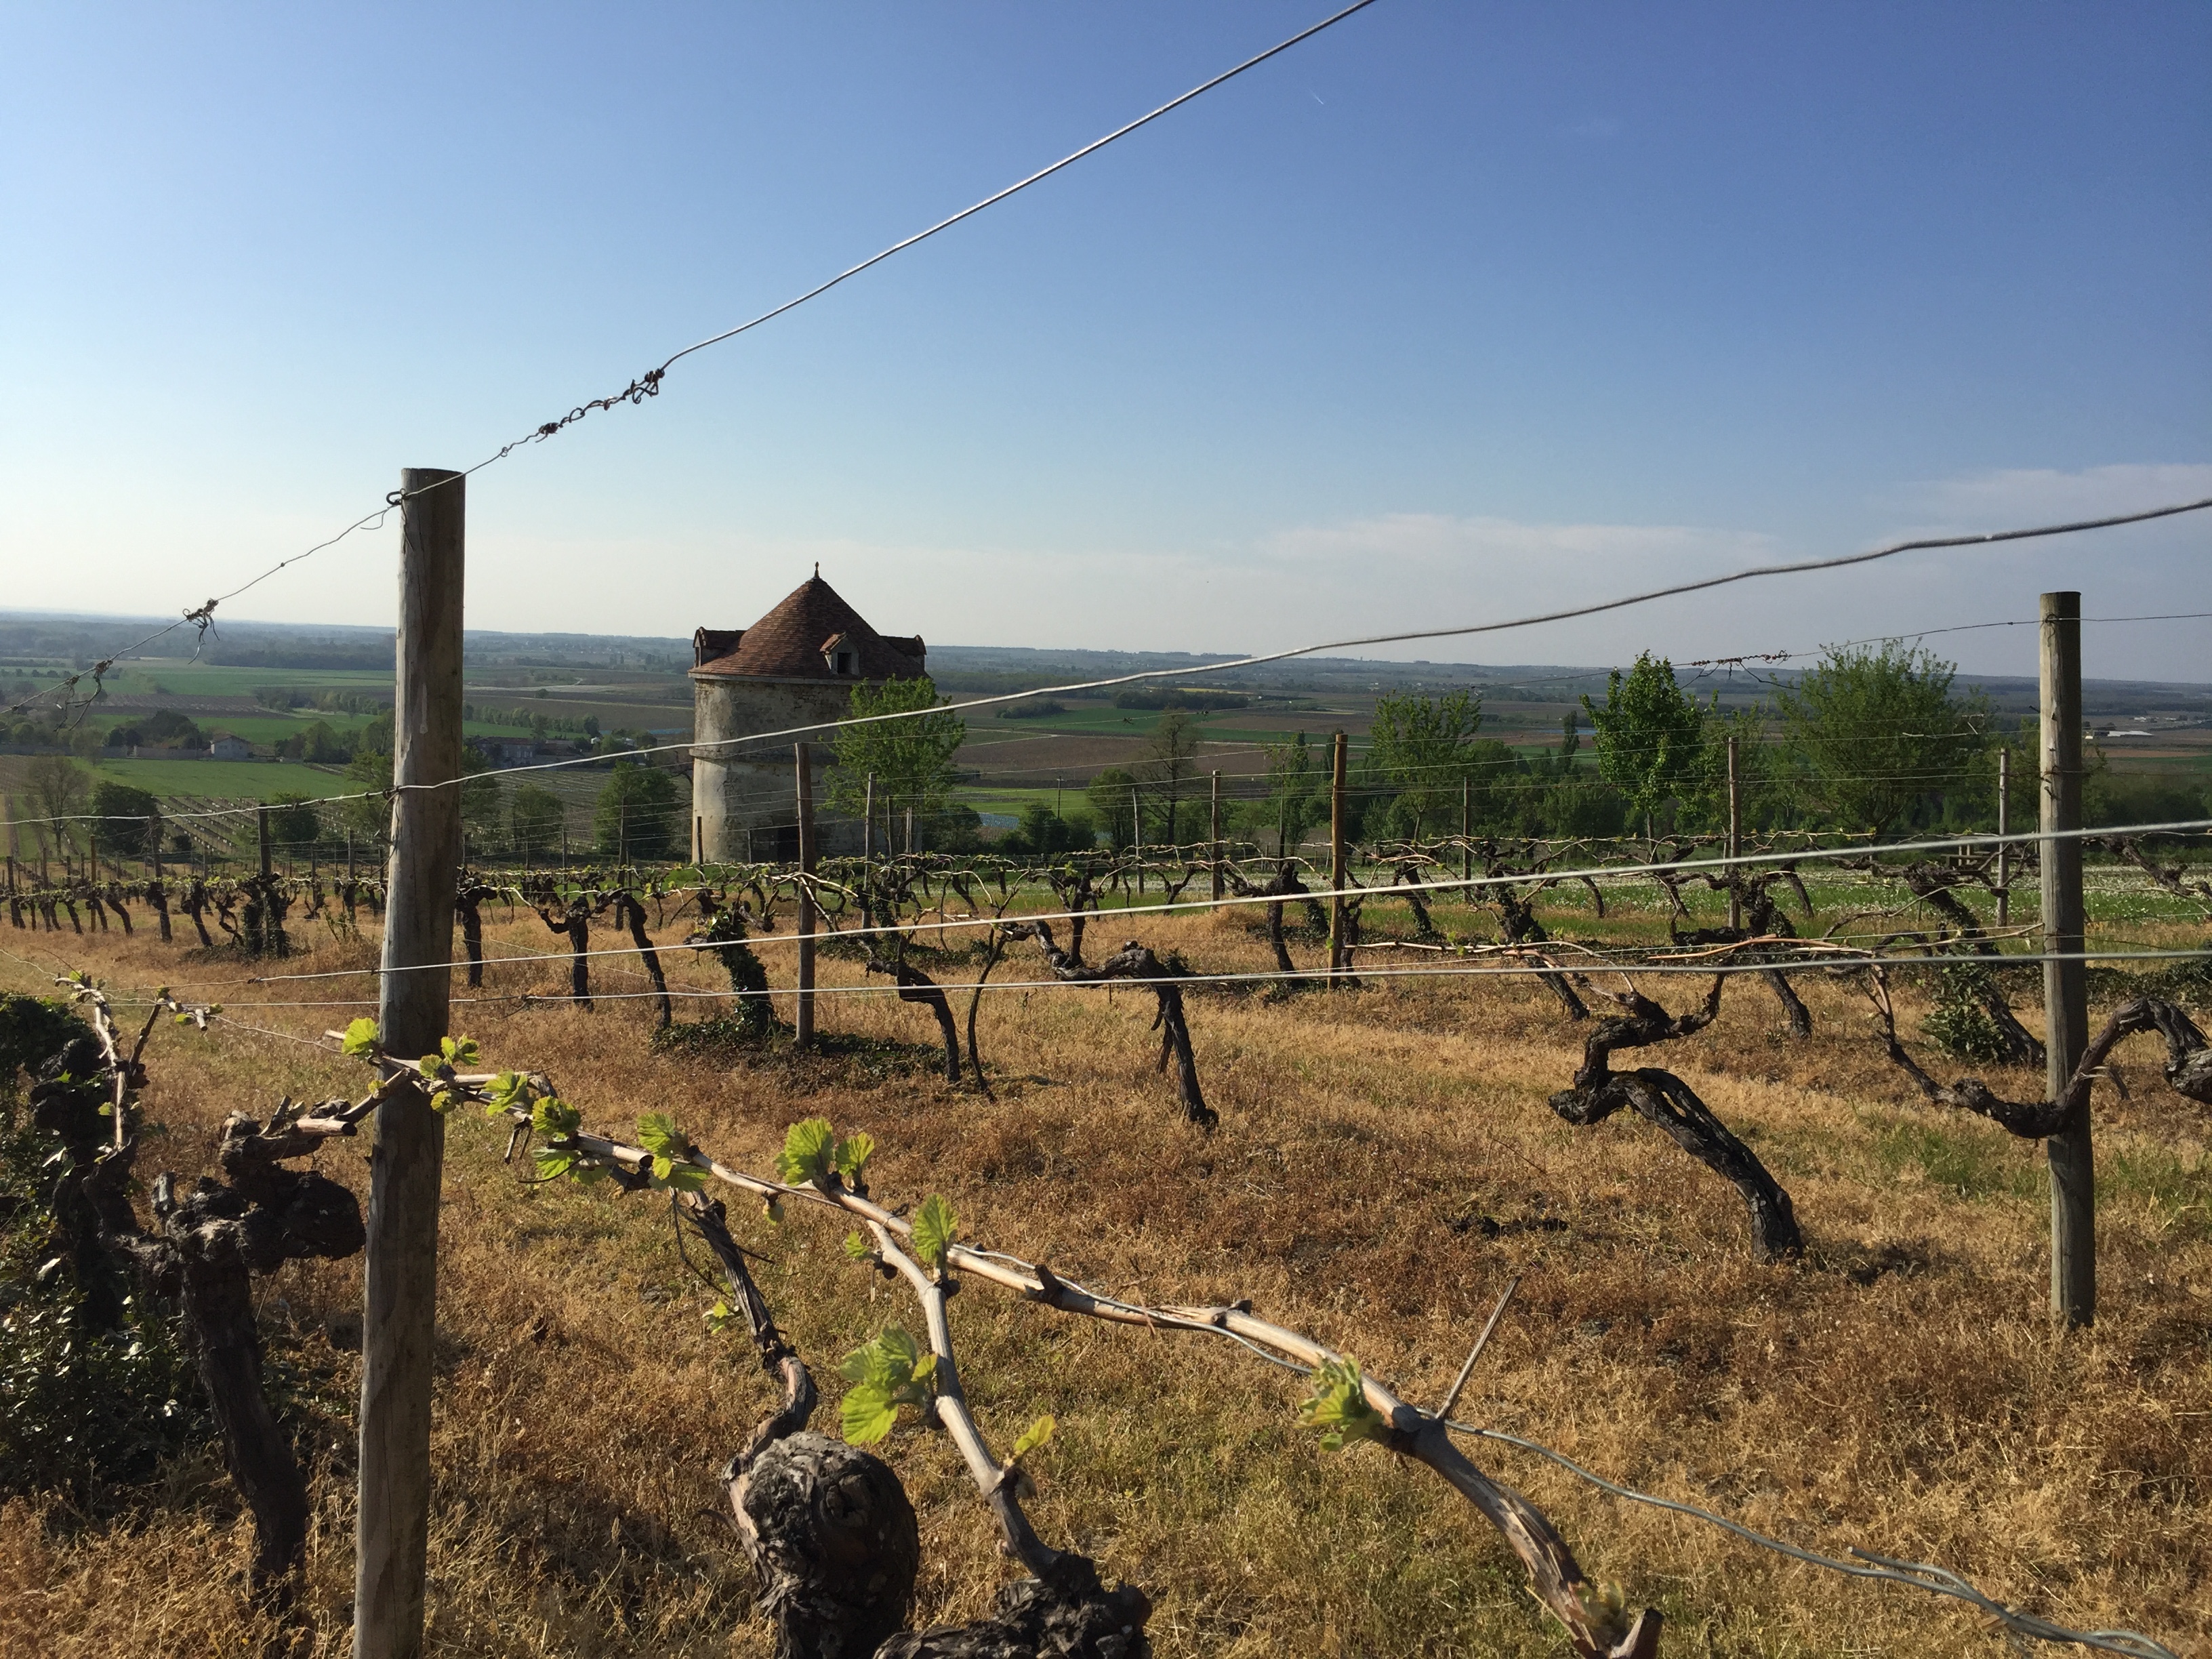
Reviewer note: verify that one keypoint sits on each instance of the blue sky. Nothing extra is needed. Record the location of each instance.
(1452, 312)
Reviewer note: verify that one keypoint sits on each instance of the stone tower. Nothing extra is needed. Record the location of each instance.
(795, 666)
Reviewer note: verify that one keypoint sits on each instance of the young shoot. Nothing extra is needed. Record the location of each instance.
(935, 1229)
(813, 1156)
(670, 1151)
(1337, 1407)
(891, 1371)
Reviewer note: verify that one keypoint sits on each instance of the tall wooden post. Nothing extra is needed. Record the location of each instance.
(2065, 996)
(153, 848)
(802, 1018)
(1466, 833)
(261, 828)
(1136, 838)
(1213, 832)
(1734, 841)
(909, 831)
(868, 822)
(401, 1317)
(2004, 828)
(1336, 861)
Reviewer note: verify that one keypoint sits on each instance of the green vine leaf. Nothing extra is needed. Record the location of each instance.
(858, 1248)
(555, 1118)
(722, 1317)
(808, 1154)
(1033, 1436)
(507, 1091)
(891, 1371)
(935, 1228)
(851, 1155)
(361, 1039)
(1338, 1405)
(555, 1161)
(670, 1162)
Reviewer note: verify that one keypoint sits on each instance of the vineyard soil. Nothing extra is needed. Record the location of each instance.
(1385, 1161)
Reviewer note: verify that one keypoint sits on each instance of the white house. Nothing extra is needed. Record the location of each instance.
(225, 747)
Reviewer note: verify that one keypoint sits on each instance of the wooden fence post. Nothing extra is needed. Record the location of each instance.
(802, 1018)
(261, 828)
(868, 822)
(2065, 999)
(153, 843)
(2004, 847)
(1734, 840)
(1137, 837)
(1337, 951)
(1214, 835)
(1467, 835)
(405, 1170)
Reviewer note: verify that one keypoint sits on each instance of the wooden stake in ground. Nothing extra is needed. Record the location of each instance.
(1214, 834)
(401, 1315)
(1734, 841)
(2004, 849)
(1466, 833)
(2065, 996)
(1336, 862)
(802, 1019)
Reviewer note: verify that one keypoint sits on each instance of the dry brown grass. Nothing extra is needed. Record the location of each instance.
(1385, 1159)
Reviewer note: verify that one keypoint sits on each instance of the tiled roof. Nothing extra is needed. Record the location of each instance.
(787, 642)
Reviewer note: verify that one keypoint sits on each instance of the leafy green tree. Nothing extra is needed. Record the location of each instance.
(1878, 735)
(320, 744)
(482, 797)
(956, 827)
(1423, 748)
(911, 759)
(60, 790)
(1650, 737)
(637, 811)
(1761, 780)
(533, 820)
(1113, 794)
(127, 820)
(1041, 830)
(368, 817)
(1293, 791)
(1170, 761)
(295, 826)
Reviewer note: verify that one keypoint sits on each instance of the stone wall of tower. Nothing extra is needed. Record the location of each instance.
(746, 796)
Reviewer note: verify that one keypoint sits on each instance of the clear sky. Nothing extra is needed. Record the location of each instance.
(1455, 311)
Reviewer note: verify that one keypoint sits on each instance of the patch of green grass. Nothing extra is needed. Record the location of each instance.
(2178, 1193)
(1966, 1161)
(225, 780)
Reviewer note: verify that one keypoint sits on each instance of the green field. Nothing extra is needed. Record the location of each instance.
(224, 780)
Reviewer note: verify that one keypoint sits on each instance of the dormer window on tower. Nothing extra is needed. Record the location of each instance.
(842, 655)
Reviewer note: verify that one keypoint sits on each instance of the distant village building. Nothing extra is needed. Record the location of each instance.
(225, 747)
(795, 666)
